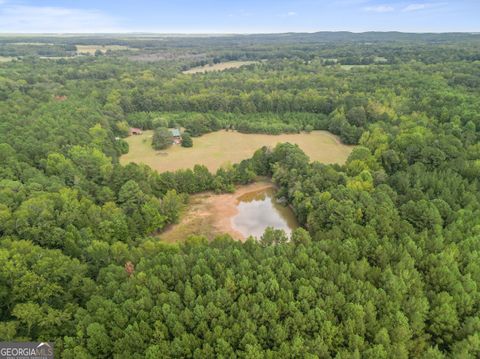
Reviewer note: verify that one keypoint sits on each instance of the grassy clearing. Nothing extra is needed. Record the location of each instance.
(349, 67)
(5, 59)
(377, 64)
(195, 219)
(380, 60)
(218, 148)
(218, 67)
(91, 49)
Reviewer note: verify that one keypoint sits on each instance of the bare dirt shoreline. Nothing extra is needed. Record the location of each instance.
(211, 214)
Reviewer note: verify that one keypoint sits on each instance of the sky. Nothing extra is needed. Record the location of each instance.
(250, 16)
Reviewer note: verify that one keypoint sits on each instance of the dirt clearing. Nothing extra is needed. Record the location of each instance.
(218, 67)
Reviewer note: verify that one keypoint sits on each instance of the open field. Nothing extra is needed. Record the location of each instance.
(349, 67)
(32, 43)
(218, 67)
(217, 148)
(5, 58)
(210, 215)
(56, 57)
(90, 49)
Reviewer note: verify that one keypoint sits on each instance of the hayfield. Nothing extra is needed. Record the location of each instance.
(218, 148)
(218, 67)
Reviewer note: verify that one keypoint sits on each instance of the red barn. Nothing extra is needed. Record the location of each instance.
(60, 98)
(135, 131)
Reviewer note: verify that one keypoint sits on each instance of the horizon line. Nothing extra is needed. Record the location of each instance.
(208, 33)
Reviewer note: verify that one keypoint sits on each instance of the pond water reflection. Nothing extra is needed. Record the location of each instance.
(258, 210)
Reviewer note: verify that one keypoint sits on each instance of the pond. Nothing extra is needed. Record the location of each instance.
(246, 212)
(258, 210)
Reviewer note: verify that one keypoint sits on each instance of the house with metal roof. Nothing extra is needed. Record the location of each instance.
(175, 132)
(177, 136)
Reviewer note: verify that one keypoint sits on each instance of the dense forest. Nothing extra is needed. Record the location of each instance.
(386, 263)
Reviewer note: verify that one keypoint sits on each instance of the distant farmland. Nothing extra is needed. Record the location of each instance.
(217, 148)
(91, 49)
(218, 67)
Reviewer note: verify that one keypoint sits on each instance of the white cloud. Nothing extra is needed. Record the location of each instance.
(380, 8)
(49, 19)
(415, 7)
(351, 2)
(287, 14)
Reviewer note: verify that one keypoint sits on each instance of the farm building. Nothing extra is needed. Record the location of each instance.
(177, 137)
(135, 131)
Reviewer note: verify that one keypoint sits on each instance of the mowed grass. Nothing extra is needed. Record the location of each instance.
(218, 67)
(218, 148)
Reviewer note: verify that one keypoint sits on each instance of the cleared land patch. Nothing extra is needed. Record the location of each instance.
(91, 49)
(218, 67)
(218, 148)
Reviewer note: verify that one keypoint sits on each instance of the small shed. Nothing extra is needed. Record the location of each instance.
(177, 137)
(135, 131)
(175, 132)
